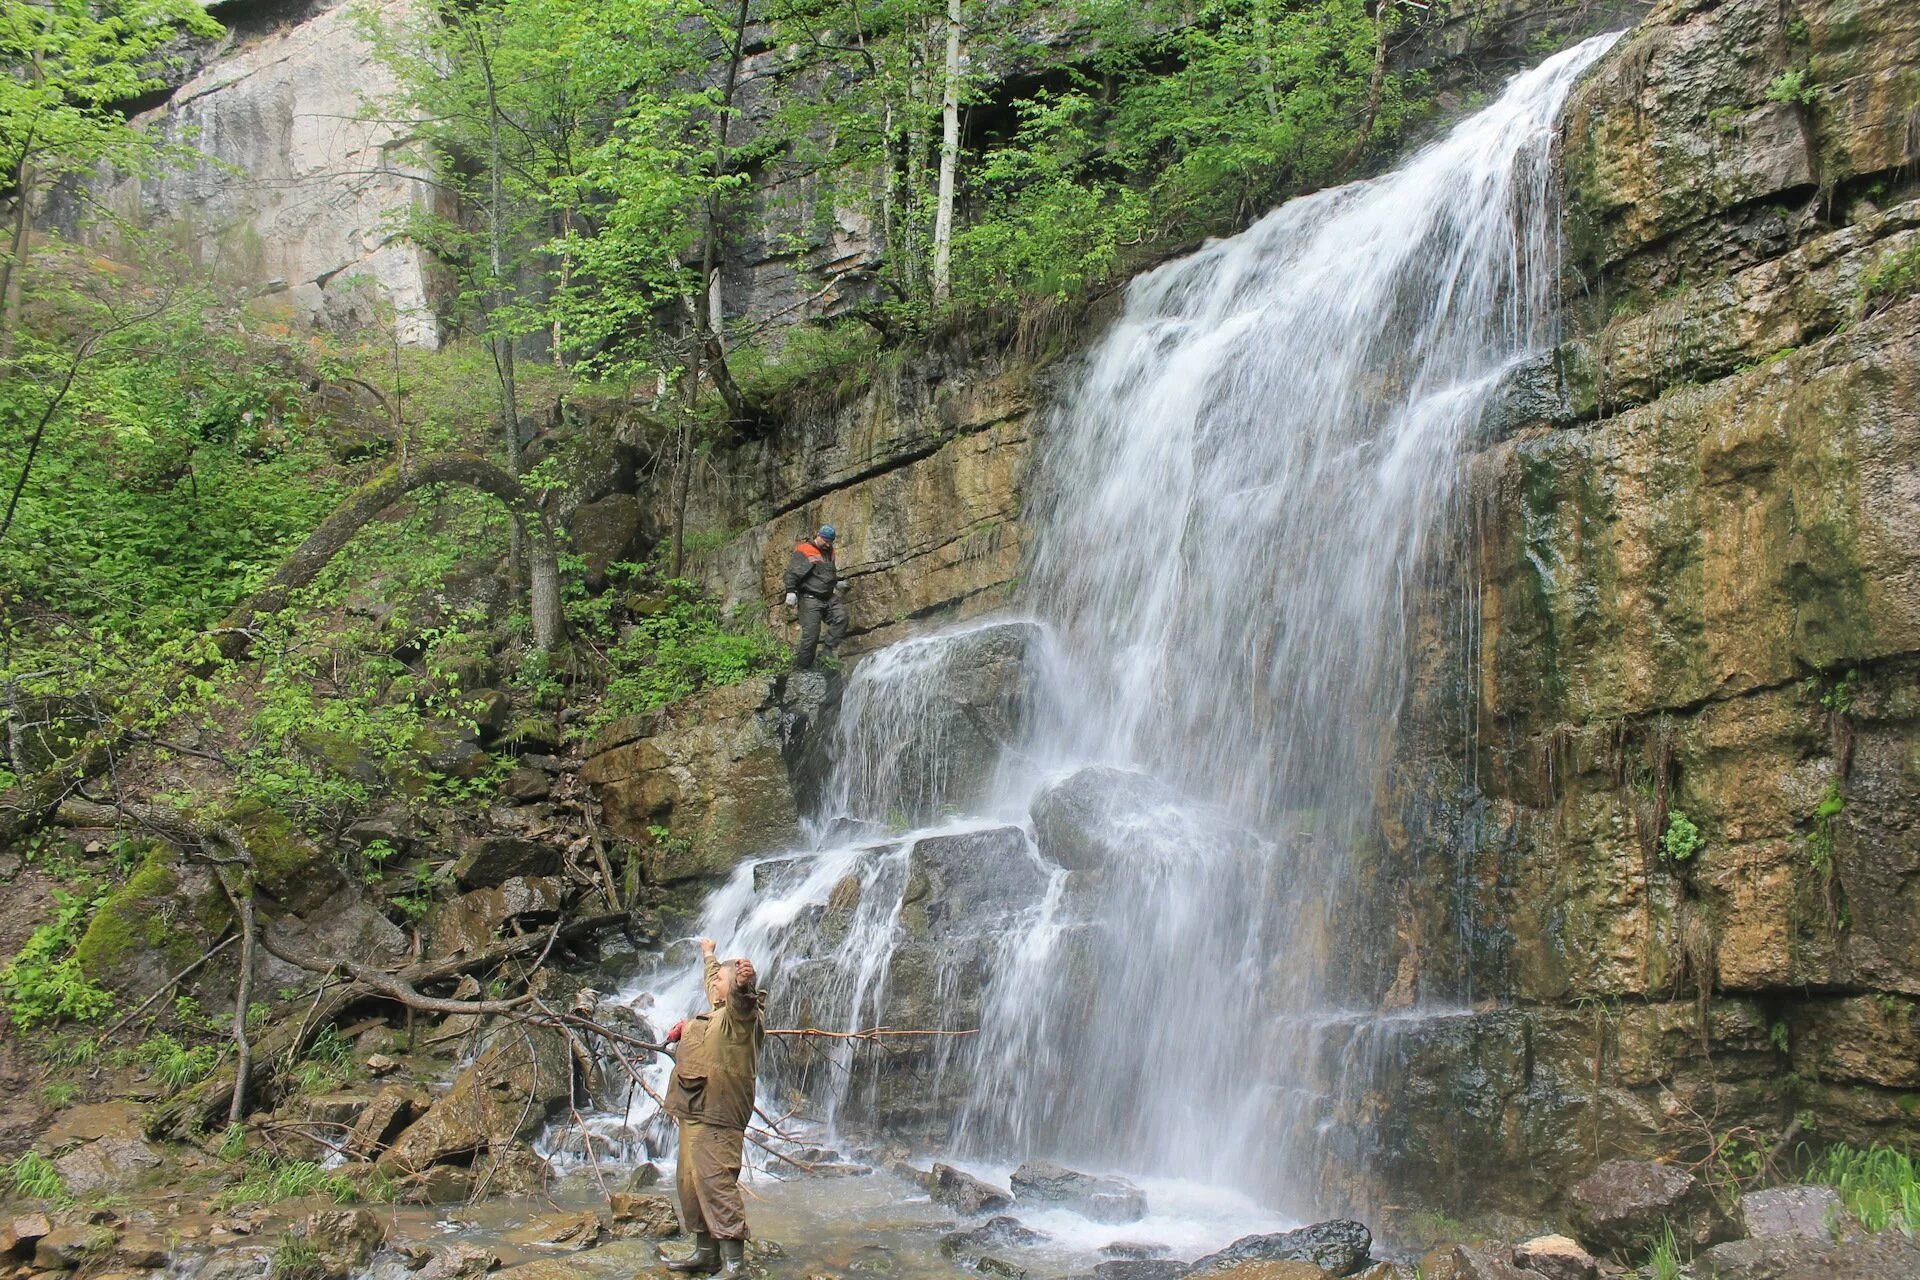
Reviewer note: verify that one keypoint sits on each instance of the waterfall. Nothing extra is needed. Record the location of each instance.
(1132, 808)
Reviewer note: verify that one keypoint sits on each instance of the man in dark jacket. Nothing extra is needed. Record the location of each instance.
(813, 587)
(710, 1095)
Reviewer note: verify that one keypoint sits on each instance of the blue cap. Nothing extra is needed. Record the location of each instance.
(826, 531)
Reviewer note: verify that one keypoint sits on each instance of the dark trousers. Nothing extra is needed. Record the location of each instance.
(708, 1180)
(812, 610)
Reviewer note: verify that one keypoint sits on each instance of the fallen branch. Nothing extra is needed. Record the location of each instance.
(871, 1034)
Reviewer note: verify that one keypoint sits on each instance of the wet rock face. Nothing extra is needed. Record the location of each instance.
(1696, 594)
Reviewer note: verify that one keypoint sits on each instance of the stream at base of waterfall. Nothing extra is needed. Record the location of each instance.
(1105, 836)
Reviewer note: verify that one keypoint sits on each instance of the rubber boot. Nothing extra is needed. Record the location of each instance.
(733, 1257)
(703, 1261)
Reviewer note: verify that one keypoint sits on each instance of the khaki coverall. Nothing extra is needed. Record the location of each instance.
(711, 1096)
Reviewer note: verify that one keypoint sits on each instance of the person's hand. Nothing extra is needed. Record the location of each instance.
(793, 599)
(743, 973)
(676, 1031)
(706, 946)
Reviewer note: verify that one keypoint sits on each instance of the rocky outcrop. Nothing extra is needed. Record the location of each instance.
(720, 773)
(922, 473)
(303, 188)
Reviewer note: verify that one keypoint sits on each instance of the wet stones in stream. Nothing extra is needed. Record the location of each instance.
(1340, 1246)
(995, 1233)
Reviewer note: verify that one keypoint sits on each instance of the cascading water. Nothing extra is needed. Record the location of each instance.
(1132, 849)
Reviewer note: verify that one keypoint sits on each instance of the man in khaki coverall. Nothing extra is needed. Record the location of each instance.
(711, 1096)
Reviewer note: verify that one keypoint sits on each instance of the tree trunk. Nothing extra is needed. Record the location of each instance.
(13, 270)
(708, 316)
(496, 265)
(949, 160)
(27, 806)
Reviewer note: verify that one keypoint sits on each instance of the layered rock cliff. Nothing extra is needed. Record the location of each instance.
(1665, 820)
(1646, 869)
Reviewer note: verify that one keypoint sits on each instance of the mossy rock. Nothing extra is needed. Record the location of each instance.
(287, 866)
(163, 918)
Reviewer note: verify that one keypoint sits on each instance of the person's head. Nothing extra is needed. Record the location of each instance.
(824, 538)
(730, 976)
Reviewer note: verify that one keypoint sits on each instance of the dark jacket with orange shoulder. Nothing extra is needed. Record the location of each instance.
(810, 571)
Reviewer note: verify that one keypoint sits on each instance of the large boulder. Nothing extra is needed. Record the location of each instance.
(489, 861)
(1101, 1199)
(1102, 817)
(609, 531)
(522, 1075)
(1556, 1258)
(964, 1193)
(343, 1240)
(995, 1233)
(1463, 1262)
(468, 924)
(1625, 1205)
(924, 724)
(1340, 1246)
(963, 891)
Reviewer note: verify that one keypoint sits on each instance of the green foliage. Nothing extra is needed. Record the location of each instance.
(1780, 1037)
(1894, 276)
(1795, 87)
(1682, 840)
(1665, 1260)
(44, 982)
(175, 1065)
(1820, 835)
(689, 645)
(34, 1177)
(1880, 1185)
(294, 1258)
(58, 1093)
(169, 479)
(271, 1179)
(327, 1062)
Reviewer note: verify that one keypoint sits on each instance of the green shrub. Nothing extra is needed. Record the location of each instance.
(689, 645)
(176, 1065)
(1795, 87)
(44, 982)
(269, 1180)
(1894, 275)
(1682, 840)
(34, 1177)
(1880, 1186)
(1820, 837)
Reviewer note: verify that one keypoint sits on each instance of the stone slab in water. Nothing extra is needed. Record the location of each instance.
(964, 1193)
(1101, 1199)
(1141, 1269)
(995, 1233)
(1340, 1246)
